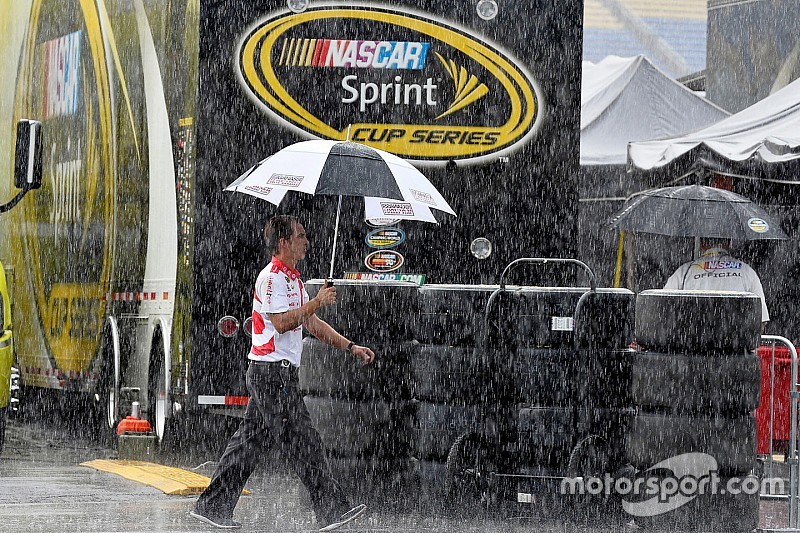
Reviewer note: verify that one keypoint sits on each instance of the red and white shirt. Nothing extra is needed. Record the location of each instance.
(278, 289)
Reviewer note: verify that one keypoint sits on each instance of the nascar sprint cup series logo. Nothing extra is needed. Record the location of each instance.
(414, 87)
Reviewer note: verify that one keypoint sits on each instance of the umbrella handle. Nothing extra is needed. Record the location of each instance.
(335, 235)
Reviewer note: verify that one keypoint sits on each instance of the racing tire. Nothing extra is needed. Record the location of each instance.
(540, 317)
(698, 322)
(451, 315)
(544, 377)
(653, 438)
(372, 313)
(437, 426)
(362, 429)
(446, 374)
(707, 512)
(327, 371)
(546, 435)
(604, 319)
(686, 384)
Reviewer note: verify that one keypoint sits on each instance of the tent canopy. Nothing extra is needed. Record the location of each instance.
(762, 141)
(629, 99)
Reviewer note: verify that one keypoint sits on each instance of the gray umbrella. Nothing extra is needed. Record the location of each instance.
(697, 211)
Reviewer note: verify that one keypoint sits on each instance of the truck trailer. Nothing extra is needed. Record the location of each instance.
(133, 269)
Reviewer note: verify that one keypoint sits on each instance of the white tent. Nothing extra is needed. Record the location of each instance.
(629, 99)
(762, 141)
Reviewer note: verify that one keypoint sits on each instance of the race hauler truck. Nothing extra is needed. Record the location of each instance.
(27, 176)
(134, 270)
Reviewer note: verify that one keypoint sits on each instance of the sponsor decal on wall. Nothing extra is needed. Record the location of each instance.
(416, 87)
(385, 238)
(419, 279)
(384, 261)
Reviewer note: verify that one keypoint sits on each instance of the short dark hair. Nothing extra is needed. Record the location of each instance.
(279, 227)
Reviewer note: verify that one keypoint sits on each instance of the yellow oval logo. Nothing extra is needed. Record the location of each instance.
(395, 81)
(758, 225)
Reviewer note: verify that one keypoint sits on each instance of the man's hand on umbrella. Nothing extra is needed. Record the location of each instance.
(326, 295)
(363, 354)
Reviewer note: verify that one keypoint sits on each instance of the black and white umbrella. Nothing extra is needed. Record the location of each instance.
(391, 187)
(697, 211)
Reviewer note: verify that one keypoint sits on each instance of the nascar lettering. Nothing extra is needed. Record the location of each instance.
(355, 54)
(717, 265)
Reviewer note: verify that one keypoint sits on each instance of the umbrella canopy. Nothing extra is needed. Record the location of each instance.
(697, 211)
(391, 187)
(341, 168)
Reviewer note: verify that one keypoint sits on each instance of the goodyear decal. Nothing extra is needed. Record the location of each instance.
(758, 225)
(415, 87)
(384, 261)
(385, 238)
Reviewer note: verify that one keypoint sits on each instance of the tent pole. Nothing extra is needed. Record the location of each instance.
(620, 248)
(335, 235)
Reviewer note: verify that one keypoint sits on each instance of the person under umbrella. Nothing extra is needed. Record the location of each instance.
(276, 414)
(716, 269)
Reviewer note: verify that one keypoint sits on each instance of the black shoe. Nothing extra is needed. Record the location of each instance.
(349, 516)
(216, 521)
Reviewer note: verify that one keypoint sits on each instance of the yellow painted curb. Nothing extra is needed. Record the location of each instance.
(165, 478)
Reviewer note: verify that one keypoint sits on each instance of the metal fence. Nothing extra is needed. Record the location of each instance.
(771, 468)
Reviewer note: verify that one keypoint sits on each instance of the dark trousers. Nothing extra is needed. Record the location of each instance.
(275, 416)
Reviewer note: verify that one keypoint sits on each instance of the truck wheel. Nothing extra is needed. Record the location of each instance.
(445, 374)
(3, 416)
(730, 441)
(451, 315)
(369, 312)
(469, 468)
(692, 322)
(362, 429)
(695, 383)
(105, 406)
(327, 371)
(157, 396)
(438, 426)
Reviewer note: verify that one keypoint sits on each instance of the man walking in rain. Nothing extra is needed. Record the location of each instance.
(276, 413)
(717, 270)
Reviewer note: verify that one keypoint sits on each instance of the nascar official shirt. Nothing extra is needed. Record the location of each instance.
(278, 289)
(717, 270)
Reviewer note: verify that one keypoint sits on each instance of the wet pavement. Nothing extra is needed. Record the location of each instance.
(43, 488)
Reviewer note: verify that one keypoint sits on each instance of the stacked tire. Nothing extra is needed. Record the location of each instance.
(446, 375)
(568, 364)
(696, 385)
(364, 414)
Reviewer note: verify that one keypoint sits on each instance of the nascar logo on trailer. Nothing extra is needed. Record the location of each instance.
(409, 85)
